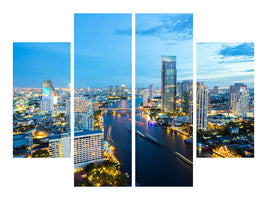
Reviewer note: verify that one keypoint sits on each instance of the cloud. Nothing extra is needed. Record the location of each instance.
(243, 52)
(174, 27)
(170, 27)
(248, 70)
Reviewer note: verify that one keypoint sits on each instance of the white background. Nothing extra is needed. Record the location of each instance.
(52, 21)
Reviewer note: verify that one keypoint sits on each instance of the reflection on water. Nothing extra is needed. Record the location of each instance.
(158, 166)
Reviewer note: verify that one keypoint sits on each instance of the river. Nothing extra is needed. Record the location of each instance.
(155, 165)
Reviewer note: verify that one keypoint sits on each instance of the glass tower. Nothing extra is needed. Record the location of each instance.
(168, 80)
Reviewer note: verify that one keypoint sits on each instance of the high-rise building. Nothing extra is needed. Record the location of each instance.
(186, 88)
(123, 91)
(88, 147)
(151, 92)
(110, 91)
(239, 98)
(59, 146)
(145, 102)
(48, 88)
(117, 91)
(202, 105)
(178, 89)
(234, 91)
(215, 89)
(191, 102)
(47, 103)
(168, 79)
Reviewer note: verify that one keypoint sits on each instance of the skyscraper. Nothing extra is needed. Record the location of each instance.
(239, 99)
(233, 91)
(123, 91)
(168, 80)
(151, 92)
(202, 105)
(110, 91)
(186, 87)
(144, 97)
(48, 88)
(47, 101)
(117, 91)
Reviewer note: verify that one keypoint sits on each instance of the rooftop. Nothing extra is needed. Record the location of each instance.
(84, 133)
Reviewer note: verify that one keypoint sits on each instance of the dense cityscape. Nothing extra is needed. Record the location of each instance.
(94, 160)
(40, 128)
(225, 121)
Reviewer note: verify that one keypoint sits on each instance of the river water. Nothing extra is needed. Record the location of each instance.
(155, 165)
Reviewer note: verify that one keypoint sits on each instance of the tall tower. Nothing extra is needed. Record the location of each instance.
(202, 105)
(117, 91)
(239, 99)
(110, 91)
(144, 97)
(185, 95)
(123, 91)
(168, 80)
(151, 92)
(48, 88)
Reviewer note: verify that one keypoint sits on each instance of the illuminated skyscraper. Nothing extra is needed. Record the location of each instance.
(151, 92)
(48, 88)
(168, 79)
(202, 105)
(144, 97)
(123, 91)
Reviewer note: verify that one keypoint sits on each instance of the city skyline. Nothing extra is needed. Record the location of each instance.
(163, 34)
(102, 50)
(223, 64)
(34, 62)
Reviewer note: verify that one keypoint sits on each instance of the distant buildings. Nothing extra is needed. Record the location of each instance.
(168, 80)
(151, 92)
(83, 114)
(88, 147)
(201, 105)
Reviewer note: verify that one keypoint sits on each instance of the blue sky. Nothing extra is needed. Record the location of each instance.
(35, 62)
(163, 34)
(224, 64)
(102, 50)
